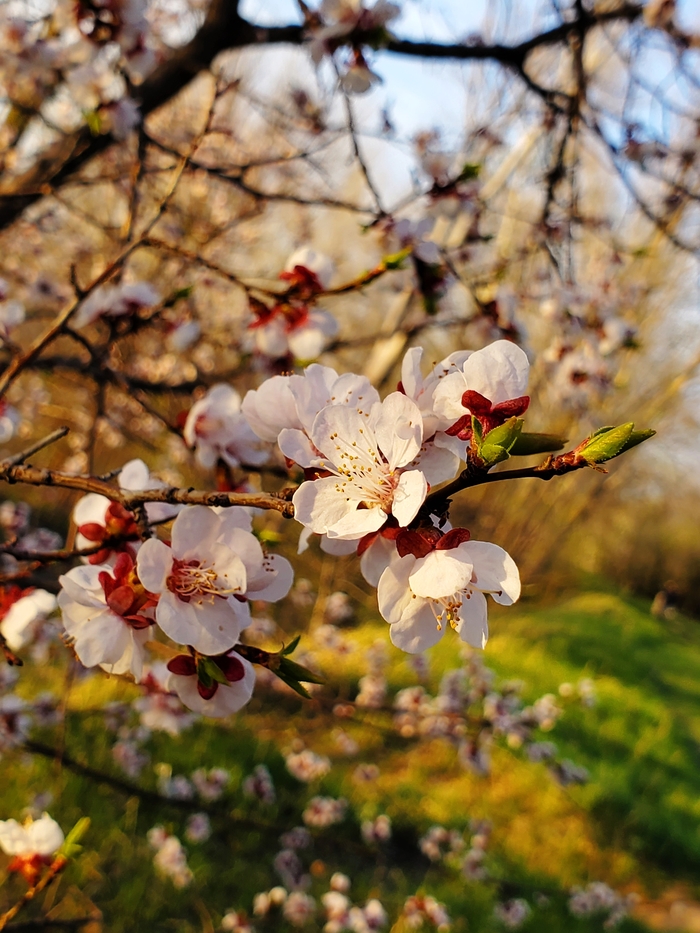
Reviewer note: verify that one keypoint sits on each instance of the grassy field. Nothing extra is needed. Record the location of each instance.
(635, 825)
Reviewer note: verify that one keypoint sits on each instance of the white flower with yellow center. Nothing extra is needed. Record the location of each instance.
(365, 455)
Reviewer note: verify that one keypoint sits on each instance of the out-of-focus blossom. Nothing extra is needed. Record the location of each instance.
(22, 617)
(259, 784)
(210, 784)
(377, 830)
(216, 429)
(307, 766)
(198, 828)
(115, 301)
(299, 909)
(512, 914)
(31, 844)
(321, 812)
(170, 859)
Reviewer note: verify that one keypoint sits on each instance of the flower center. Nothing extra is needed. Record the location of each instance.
(189, 578)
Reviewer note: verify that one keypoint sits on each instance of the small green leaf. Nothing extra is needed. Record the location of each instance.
(288, 649)
(296, 686)
(70, 845)
(496, 445)
(526, 444)
(209, 673)
(477, 433)
(604, 445)
(291, 669)
(395, 260)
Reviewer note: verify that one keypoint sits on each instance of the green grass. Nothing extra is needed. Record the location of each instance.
(635, 825)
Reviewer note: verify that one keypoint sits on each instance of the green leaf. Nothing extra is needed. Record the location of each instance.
(637, 437)
(291, 669)
(477, 433)
(496, 445)
(604, 445)
(506, 434)
(70, 845)
(296, 686)
(209, 672)
(526, 444)
(288, 649)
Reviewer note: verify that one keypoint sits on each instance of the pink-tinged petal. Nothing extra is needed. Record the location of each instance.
(135, 475)
(132, 658)
(207, 455)
(307, 342)
(394, 596)
(233, 517)
(336, 429)
(231, 574)
(271, 339)
(312, 392)
(376, 559)
(274, 581)
(99, 635)
(417, 632)
(409, 496)
(411, 377)
(437, 464)
(337, 547)
(499, 371)
(90, 508)
(271, 408)
(194, 531)
(210, 627)
(318, 505)
(358, 523)
(495, 571)
(154, 565)
(447, 399)
(296, 446)
(355, 391)
(472, 625)
(83, 586)
(441, 573)
(399, 429)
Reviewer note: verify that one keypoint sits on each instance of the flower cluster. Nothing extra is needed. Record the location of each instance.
(369, 465)
(195, 589)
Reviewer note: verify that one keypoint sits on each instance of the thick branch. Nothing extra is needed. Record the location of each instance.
(35, 476)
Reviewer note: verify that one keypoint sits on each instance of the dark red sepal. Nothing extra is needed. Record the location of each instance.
(452, 539)
(182, 664)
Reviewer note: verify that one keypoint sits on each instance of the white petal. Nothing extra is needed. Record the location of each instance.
(441, 573)
(296, 446)
(275, 580)
(409, 496)
(499, 371)
(211, 627)
(417, 632)
(376, 559)
(358, 523)
(154, 565)
(495, 571)
(44, 836)
(135, 475)
(394, 596)
(318, 505)
(90, 508)
(399, 430)
(194, 531)
(473, 626)
(228, 699)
